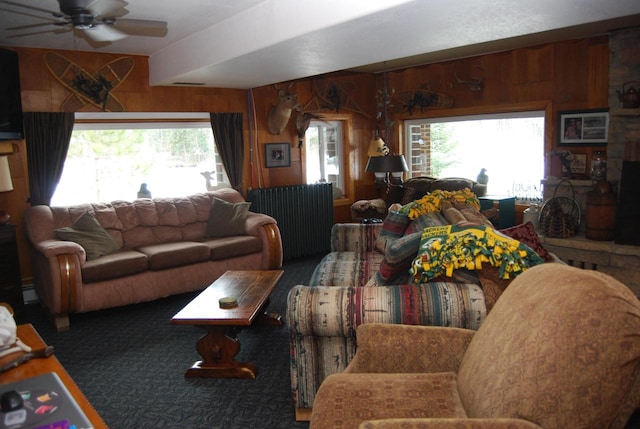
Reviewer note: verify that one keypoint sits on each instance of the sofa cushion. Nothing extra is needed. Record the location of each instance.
(89, 234)
(352, 398)
(117, 264)
(229, 247)
(167, 255)
(226, 219)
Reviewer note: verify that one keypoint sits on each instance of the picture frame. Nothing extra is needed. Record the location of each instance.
(583, 127)
(578, 165)
(277, 155)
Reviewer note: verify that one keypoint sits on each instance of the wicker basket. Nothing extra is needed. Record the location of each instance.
(560, 216)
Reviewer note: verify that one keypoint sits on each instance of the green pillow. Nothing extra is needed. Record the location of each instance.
(89, 234)
(226, 219)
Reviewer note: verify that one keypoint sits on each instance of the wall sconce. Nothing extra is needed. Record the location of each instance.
(5, 185)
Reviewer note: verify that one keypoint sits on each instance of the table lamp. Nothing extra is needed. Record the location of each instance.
(398, 165)
(5, 185)
(381, 166)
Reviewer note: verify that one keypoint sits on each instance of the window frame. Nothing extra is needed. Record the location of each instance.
(149, 120)
(346, 156)
(544, 105)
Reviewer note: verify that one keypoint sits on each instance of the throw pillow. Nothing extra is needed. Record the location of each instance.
(398, 257)
(526, 233)
(393, 227)
(472, 215)
(226, 219)
(88, 233)
(426, 220)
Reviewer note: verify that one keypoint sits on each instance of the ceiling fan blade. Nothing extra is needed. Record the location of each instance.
(24, 27)
(140, 27)
(104, 33)
(51, 20)
(56, 31)
(108, 8)
(82, 34)
(49, 12)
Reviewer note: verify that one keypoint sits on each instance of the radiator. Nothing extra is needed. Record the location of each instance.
(304, 214)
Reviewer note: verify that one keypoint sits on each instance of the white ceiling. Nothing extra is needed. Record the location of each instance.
(251, 43)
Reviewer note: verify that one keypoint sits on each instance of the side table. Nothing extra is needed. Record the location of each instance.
(10, 279)
(34, 367)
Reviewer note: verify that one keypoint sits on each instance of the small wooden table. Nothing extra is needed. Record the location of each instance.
(39, 366)
(219, 346)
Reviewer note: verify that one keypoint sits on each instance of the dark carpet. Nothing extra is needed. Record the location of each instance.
(130, 364)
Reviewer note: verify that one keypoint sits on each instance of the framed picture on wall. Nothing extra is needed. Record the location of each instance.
(277, 155)
(583, 128)
(578, 165)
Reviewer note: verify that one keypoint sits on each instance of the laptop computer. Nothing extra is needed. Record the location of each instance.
(47, 404)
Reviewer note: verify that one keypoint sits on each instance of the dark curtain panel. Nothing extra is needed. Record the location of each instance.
(47, 135)
(227, 132)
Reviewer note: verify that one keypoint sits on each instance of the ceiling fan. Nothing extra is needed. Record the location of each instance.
(99, 21)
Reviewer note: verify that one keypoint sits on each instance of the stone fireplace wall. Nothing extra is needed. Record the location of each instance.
(624, 124)
(624, 132)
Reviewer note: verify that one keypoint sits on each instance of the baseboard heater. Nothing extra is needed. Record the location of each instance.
(304, 214)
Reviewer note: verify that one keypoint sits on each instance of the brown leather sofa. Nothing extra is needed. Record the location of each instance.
(411, 189)
(162, 249)
(560, 349)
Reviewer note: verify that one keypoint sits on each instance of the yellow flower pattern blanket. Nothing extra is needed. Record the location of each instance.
(444, 249)
(432, 202)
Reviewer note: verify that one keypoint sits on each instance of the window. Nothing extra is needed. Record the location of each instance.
(324, 153)
(110, 157)
(509, 146)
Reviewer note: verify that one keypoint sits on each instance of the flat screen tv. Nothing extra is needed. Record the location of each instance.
(10, 98)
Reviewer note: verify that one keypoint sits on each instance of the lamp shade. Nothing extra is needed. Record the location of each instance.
(382, 165)
(5, 175)
(397, 163)
(393, 163)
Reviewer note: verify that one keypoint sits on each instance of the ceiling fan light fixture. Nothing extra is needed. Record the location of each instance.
(82, 21)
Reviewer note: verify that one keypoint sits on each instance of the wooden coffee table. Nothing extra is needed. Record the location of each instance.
(34, 367)
(219, 346)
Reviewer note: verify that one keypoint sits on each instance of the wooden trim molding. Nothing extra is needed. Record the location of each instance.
(303, 414)
(68, 292)
(275, 246)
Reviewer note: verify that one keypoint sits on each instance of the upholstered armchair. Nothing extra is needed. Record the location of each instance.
(560, 349)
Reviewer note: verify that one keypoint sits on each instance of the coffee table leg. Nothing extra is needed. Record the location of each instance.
(218, 350)
(271, 319)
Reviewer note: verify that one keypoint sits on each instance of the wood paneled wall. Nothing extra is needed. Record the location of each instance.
(555, 77)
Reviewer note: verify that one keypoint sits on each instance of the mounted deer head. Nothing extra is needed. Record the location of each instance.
(474, 84)
(280, 113)
(302, 124)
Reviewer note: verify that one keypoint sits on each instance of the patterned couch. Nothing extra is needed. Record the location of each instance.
(365, 280)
